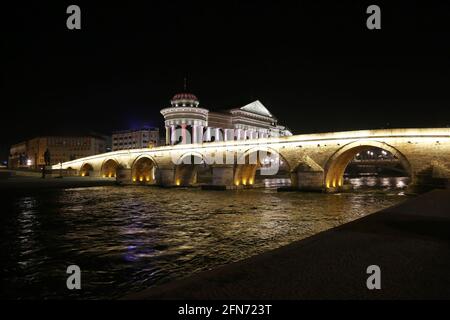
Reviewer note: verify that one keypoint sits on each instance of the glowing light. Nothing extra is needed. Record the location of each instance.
(244, 182)
(104, 176)
(147, 179)
(250, 181)
(141, 179)
(178, 182)
(29, 162)
(82, 174)
(134, 179)
(236, 183)
(110, 175)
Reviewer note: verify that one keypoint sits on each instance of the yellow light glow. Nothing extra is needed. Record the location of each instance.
(244, 182)
(110, 175)
(82, 174)
(141, 179)
(236, 183)
(134, 179)
(178, 182)
(104, 176)
(147, 179)
(250, 181)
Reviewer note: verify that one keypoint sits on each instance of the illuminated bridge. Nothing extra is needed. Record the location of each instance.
(311, 161)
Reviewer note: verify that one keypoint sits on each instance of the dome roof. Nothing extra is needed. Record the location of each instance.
(184, 96)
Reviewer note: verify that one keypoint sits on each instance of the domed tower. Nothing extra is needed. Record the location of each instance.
(184, 119)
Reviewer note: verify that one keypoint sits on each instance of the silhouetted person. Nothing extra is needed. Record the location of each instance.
(47, 161)
(47, 158)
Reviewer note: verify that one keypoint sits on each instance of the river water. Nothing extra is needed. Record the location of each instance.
(126, 239)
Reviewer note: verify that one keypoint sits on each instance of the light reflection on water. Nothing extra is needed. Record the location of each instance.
(129, 238)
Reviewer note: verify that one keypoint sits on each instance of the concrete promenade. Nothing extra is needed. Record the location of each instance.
(410, 242)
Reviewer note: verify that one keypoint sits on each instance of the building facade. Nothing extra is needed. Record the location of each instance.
(135, 139)
(186, 122)
(30, 153)
(18, 155)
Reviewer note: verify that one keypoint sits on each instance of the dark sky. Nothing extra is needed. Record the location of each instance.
(314, 64)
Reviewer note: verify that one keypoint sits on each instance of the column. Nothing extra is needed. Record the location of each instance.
(200, 134)
(173, 135)
(227, 134)
(183, 133)
(231, 134)
(194, 133)
(167, 135)
(217, 135)
(208, 134)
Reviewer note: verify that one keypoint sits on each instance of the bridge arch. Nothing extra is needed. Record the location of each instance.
(338, 162)
(192, 168)
(109, 168)
(191, 157)
(86, 169)
(143, 170)
(268, 160)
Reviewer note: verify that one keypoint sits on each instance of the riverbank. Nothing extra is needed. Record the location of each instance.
(410, 243)
(25, 184)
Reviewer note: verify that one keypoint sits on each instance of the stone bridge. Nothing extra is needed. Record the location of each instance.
(311, 161)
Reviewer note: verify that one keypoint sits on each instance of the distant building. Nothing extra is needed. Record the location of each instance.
(30, 153)
(135, 139)
(18, 155)
(252, 121)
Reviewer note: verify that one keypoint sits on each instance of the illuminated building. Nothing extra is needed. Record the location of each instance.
(186, 122)
(135, 139)
(18, 155)
(30, 153)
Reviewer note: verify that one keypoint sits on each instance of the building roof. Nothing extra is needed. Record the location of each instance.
(184, 96)
(258, 108)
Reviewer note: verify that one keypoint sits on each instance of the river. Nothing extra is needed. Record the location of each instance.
(126, 239)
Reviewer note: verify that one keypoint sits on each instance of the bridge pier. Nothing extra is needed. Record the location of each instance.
(310, 181)
(434, 176)
(124, 176)
(166, 177)
(223, 176)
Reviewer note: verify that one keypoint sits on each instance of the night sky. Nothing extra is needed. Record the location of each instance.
(314, 64)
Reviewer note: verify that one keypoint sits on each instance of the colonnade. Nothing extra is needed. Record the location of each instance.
(186, 134)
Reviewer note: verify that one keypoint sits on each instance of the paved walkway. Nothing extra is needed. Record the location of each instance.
(410, 242)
